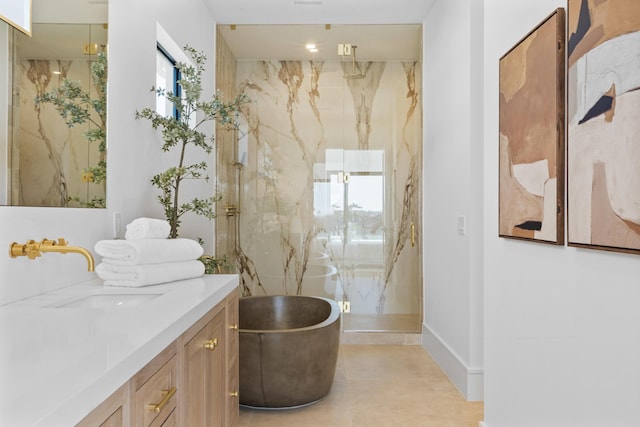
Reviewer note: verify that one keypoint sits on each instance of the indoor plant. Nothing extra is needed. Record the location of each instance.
(183, 129)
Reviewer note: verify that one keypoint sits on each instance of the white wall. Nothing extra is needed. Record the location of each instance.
(452, 330)
(133, 143)
(561, 324)
(133, 151)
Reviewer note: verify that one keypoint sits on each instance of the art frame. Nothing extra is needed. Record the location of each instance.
(603, 143)
(17, 13)
(532, 135)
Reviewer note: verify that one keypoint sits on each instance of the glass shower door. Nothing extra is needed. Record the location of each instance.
(329, 182)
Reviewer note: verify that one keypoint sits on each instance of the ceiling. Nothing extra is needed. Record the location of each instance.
(288, 41)
(276, 29)
(319, 11)
(279, 29)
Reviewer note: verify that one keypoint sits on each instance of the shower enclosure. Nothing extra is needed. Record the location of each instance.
(322, 184)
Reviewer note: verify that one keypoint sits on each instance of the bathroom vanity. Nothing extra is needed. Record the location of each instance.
(90, 355)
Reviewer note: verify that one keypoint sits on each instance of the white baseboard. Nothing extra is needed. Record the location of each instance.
(482, 424)
(469, 381)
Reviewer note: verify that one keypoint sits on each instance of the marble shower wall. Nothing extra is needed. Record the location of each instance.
(48, 157)
(317, 142)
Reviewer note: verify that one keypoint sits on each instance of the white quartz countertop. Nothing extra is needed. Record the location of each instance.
(64, 352)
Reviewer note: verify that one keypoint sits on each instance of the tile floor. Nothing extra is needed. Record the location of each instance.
(379, 385)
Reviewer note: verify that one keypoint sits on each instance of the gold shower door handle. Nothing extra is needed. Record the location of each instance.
(413, 234)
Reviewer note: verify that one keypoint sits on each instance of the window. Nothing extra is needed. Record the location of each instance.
(167, 76)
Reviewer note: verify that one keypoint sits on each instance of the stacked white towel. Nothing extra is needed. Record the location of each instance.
(148, 274)
(147, 228)
(148, 251)
(143, 260)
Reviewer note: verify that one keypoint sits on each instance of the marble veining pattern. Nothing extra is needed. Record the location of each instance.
(49, 157)
(330, 182)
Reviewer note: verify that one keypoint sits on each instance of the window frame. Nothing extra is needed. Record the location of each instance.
(175, 89)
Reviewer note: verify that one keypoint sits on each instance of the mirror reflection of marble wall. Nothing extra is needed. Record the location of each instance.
(47, 157)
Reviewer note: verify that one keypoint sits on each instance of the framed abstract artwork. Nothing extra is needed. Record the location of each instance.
(532, 135)
(603, 116)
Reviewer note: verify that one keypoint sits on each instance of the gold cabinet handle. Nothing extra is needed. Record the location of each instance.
(211, 344)
(168, 394)
(233, 394)
(234, 327)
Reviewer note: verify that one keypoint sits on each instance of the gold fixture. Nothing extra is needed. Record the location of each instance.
(232, 27)
(89, 48)
(87, 177)
(211, 344)
(33, 249)
(345, 306)
(413, 234)
(168, 394)
(327, 26)
(231, 210)
(233, 394)
(233, 327)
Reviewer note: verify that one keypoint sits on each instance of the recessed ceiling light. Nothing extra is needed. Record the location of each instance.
(311, 46)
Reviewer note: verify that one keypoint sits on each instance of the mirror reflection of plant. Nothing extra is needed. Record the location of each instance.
(184, 130)
(77, 107)
(95, 202)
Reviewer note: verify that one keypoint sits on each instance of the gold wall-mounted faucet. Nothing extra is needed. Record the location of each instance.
(33, 249)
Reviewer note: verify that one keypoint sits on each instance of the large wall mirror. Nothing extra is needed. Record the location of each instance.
(56, 96)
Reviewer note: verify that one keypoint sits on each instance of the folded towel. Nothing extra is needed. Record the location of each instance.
(147, 228)
(148, 251)
(148, 274)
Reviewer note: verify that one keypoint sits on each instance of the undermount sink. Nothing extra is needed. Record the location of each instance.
(109, 301)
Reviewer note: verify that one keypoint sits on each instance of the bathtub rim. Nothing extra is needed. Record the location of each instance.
(333, 316)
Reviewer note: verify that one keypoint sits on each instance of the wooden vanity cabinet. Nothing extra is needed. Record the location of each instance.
(232, 401)
(153, 390)
(202, 375)
(113, 412)
(193, 382)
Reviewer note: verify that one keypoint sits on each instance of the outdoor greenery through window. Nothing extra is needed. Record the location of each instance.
(167, 76)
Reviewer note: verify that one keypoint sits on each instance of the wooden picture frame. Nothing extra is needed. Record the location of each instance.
(17, 13)
(603, 143)
(532, 135)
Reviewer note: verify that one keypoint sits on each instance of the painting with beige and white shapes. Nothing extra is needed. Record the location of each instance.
(532, 135)
(603, 145)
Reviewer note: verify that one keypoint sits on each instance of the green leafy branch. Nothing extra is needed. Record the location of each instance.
(77, 107)
(183, 129)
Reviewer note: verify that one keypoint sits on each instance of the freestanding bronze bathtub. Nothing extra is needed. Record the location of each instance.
(288, 350)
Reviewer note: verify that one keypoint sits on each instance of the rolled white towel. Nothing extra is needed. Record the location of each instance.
(148, 274)
(148, 251)
(147, 228)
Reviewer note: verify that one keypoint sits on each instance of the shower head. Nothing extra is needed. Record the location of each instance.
(353, 75)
